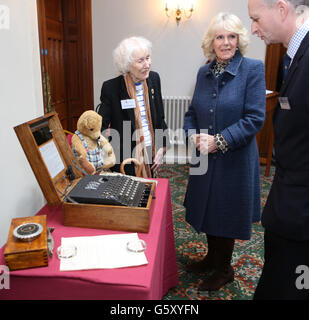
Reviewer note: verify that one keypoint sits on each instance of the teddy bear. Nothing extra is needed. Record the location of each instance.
(93, 151)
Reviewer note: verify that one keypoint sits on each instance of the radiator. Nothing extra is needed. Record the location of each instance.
(175, 109)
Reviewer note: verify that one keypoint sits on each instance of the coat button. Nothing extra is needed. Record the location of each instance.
(214, 95)
(211, 110)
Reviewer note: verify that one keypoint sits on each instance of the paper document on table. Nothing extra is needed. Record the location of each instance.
(102, 252)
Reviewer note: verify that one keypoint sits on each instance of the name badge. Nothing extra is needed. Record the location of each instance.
(128, 104)
(284, 103)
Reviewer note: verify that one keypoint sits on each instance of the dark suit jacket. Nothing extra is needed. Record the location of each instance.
(113, 91)
(287, 209)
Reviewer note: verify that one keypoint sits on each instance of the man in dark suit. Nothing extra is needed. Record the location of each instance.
(132, 104)
(285, 217)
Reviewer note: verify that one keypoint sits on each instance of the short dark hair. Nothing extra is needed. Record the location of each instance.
(295, 3)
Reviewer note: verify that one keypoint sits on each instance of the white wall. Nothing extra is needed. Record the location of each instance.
(21, 100)
(177, 52)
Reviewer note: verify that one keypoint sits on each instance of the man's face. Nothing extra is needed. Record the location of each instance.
(263, 20)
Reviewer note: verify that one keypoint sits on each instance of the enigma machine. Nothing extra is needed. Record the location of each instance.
(113, 190)
(111, 202)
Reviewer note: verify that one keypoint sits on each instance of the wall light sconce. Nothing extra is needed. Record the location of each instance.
(179, 9)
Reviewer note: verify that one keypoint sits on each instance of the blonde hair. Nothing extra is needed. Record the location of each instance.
(229, 22)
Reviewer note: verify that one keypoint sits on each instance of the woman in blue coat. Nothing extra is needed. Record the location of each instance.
(227, 111)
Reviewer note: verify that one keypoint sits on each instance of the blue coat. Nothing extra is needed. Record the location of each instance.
(226, 199)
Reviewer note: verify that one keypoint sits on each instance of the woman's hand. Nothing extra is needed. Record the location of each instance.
(158, 160)
(205, 143)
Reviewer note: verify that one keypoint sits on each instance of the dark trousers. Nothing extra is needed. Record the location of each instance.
(279, 277)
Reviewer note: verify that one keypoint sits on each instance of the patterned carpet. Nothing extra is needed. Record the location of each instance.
(247, 256)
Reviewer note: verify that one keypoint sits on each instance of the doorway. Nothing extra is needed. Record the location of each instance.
(65, 34)
(273, 66)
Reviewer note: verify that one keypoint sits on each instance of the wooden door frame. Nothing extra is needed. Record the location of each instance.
(43, 45)
(86, 49)
(86, 35)
(273, 60)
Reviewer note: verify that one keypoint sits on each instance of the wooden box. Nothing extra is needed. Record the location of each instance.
(49, 154)
(133, 219)
(22, 255)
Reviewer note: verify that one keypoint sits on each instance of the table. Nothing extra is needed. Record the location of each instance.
(148, 282)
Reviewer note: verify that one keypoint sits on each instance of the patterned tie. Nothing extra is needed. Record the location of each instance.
(286, 65)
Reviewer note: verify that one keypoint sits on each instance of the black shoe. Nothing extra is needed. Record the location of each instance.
(224, 272)
(218, 279)
(204, 265)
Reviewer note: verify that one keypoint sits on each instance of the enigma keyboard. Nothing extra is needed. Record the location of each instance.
(113, 190)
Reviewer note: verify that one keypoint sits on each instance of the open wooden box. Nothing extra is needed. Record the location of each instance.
(50, 155)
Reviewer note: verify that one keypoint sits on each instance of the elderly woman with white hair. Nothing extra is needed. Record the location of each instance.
(226, 112)
(131, 104)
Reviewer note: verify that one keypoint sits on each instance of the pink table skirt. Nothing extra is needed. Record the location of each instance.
(148, 282)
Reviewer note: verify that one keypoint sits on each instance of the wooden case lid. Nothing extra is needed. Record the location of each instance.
(49, 154)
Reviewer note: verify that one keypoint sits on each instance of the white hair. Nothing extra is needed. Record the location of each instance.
(124, 51)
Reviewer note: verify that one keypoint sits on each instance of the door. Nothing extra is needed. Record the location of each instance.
(273, 65)
(66, 58)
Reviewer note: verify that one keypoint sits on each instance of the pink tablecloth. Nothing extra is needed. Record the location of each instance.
(148, 282)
